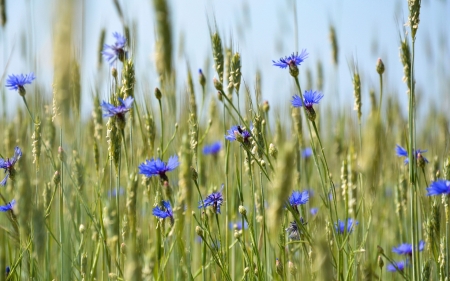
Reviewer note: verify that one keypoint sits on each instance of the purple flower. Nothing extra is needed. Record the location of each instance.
(17, 82)
(398, 264)
(439, 187)
(307, 152)
(342, 225)
(239, 134)
(298, 198)
(310, 98)
(156, 167)
(292, 60)
(407, 249)
(163, 212)
(215, 199)
(116, 51)
(293, 230)
(110, 110)
(213, 148)
(401, 152)
(8, 164)
(314, 211)
(8, 206)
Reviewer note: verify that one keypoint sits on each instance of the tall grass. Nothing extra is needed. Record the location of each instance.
(85, 210)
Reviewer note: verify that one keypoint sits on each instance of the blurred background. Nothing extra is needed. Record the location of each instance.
(261, 31)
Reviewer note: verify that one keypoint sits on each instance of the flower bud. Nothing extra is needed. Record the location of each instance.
(265, 106)
(158, 94)
(201, 78)
(56, 178)
(218, 85)
(380, 250)
(82, 228)
(380, 262)
(380, 66)
(199, 231)
(279, 267)
(242, 210)
(114, 72)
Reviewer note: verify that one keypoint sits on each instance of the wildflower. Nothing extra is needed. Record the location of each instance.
(163, 212)
(8, 270)
(307, 152)
(279, 266)
(116, 51)
(8, 206)
(314, 211)
(439, 187)
(292, 62)
(401, 152)
(293, 230)
(201, 78)
(341, 226)
(309, 99)
(407, 249)
(156, 167)
(236, 133)
(213, 148)
(298, 198)
(215, 199)
(17, 82)
(8, 165)
(392, 267)
(119, 111)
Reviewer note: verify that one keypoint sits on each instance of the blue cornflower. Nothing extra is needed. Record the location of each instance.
(307, 152)
(310, 98)
(116, 51)
(8, 270)
(8, 165)
(291, 61)
(215, 199)
(164, 212)
(110, 110)
(156, 167)
(314, 211)
(340, 226)
(398, 264)
(293, 230)
(439, 187)
(407, 249)
(8, 206)
(213, 148)
(119, 111)
(401, 152)
(298, 198)
(17, 82)
(239, 134)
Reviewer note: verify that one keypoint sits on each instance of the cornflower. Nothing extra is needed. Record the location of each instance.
(163, 212)
(17, 82)
(116, 51)
(156, 167)
(119, 111)
(298, 198)
(392, 267)
(8, 206)
(401, 152)
(309, 99)
(237, 133)
(439, 187)
(212, 149)
(407, 249)
(215, 200)
(340, 226)
(292, 62)
(8, 165)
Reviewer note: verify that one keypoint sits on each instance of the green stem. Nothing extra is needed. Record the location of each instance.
(162, 127)
(381, 94)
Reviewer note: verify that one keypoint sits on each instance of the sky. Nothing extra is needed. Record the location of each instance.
(261, 31)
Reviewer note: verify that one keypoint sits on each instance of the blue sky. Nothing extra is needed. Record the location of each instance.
(261, 31)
